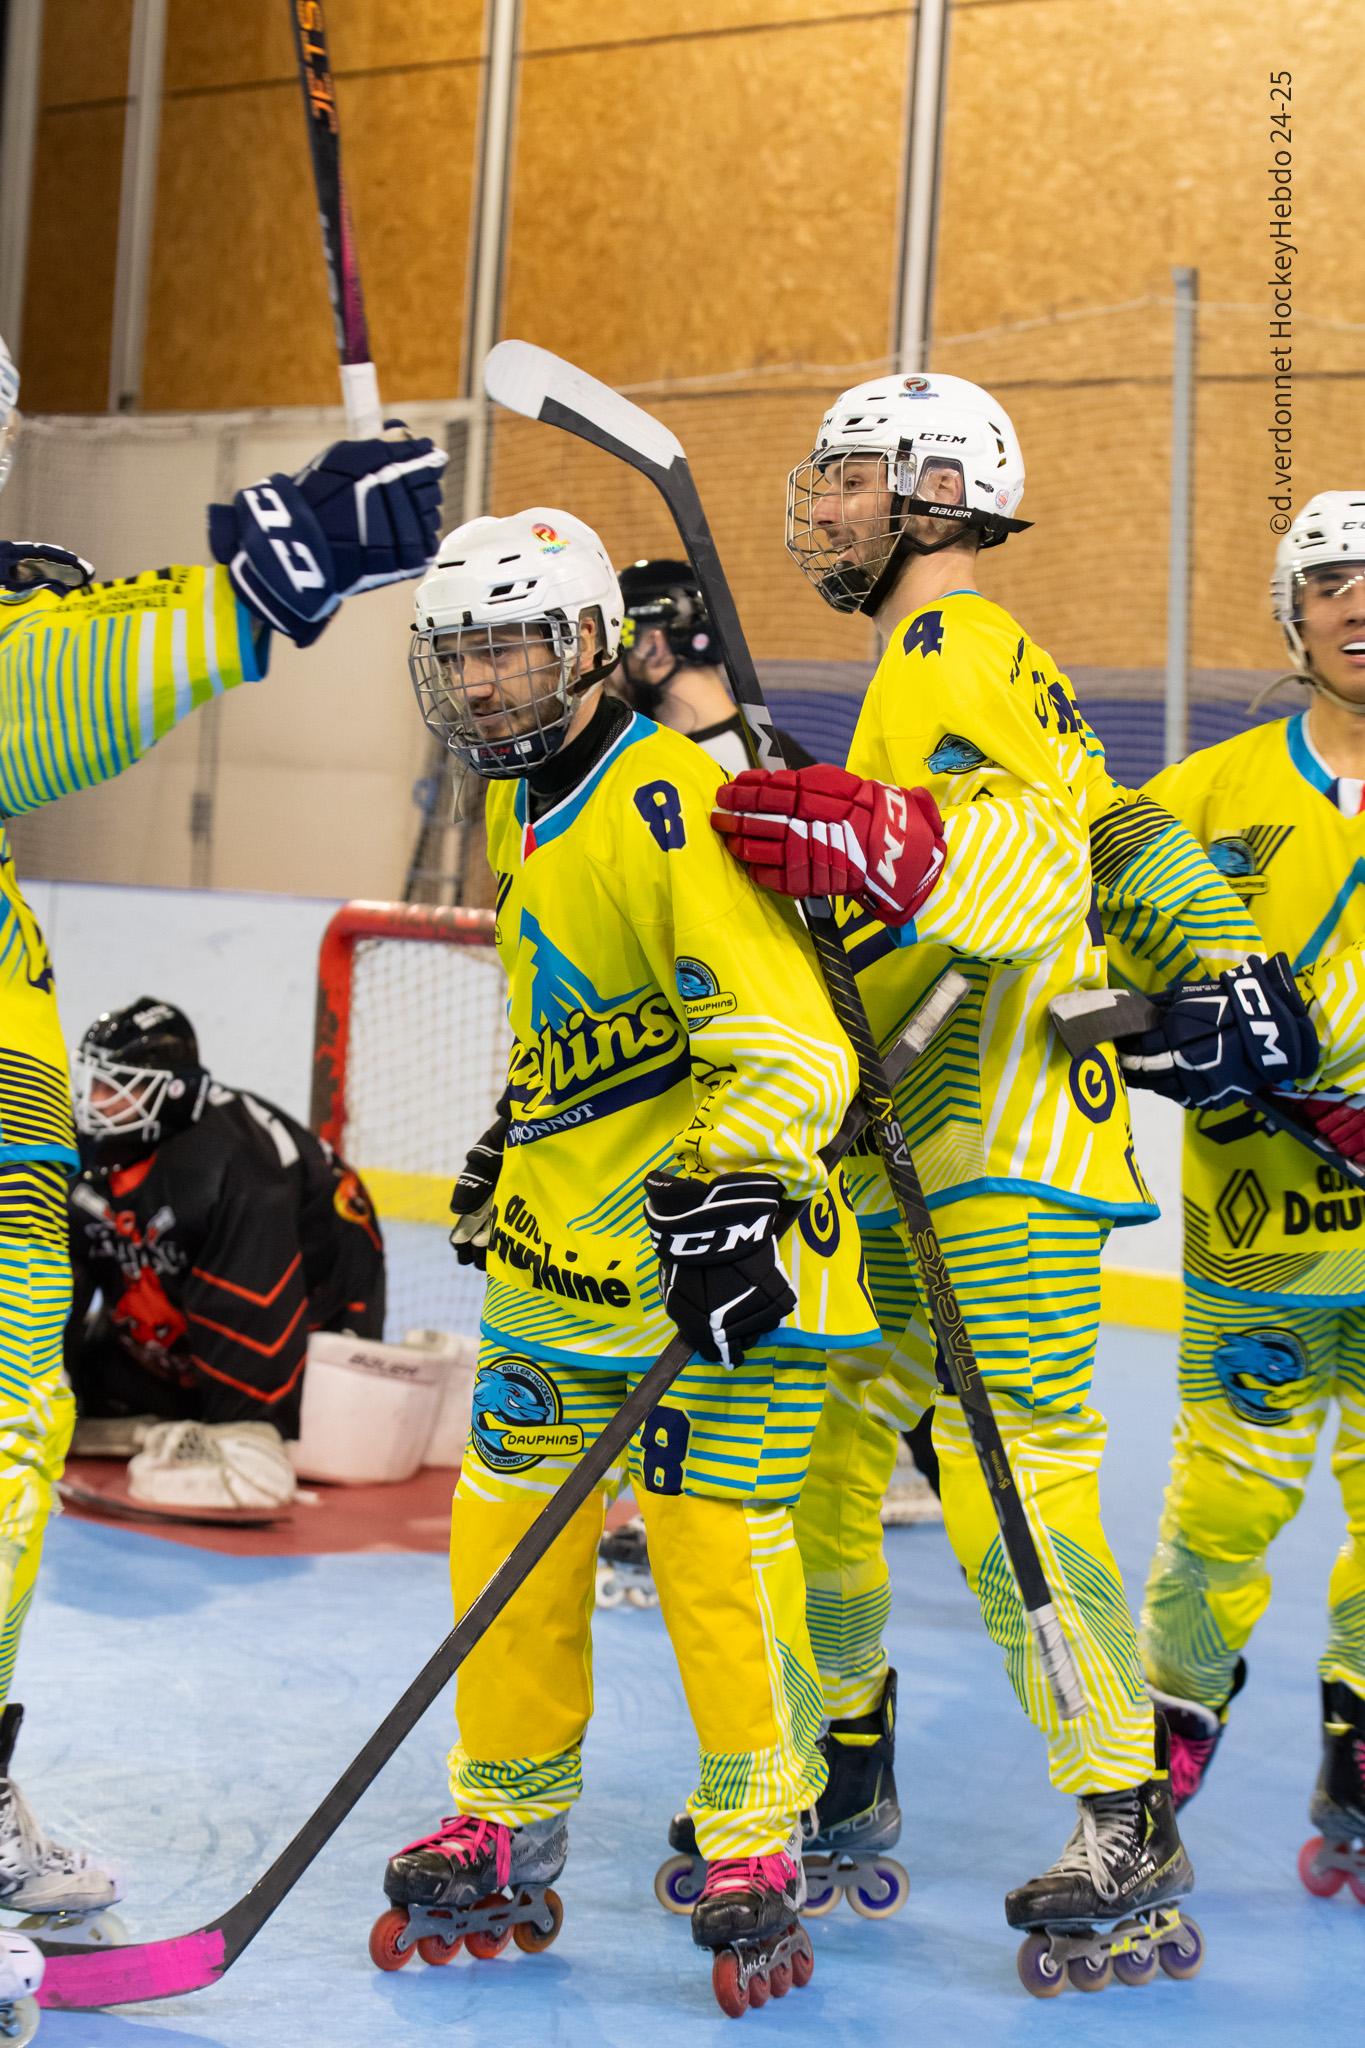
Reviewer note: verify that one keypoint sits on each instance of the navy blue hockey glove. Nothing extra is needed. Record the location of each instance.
(1218, 1040)
(719, 1273)
(29, 565)
(471, 1198)
(362, 513)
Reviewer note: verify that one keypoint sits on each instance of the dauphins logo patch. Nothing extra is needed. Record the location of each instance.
(517, 1417)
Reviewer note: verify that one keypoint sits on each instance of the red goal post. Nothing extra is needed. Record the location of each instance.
(410, 1050)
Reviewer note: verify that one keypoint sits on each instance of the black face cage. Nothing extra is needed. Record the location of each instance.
(501, 697)
(847, 549)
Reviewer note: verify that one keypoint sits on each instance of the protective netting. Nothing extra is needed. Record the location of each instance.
(425, 1065)
(369, 804)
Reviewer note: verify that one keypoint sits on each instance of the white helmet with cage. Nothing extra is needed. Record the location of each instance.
(1329, 534)
(9, 410)
(944, 448)
(496, 653)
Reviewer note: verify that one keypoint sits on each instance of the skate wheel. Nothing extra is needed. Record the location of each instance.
(760, 1989)
(99, 1929)
(803, 1964)
(1090, 1973)
(1183, 1955)
(821, 1900)
(438, 1949)
(1356, 1881)
(1323, 1884)
(19, 2022)
(780, 1979)
(1137, 1966)
(889, 1892)
(610, 1591)
(531, 1939)
(385, 1937)
(732, 1994)
(678, 1883)
(486, 1942)
(1040, 1976)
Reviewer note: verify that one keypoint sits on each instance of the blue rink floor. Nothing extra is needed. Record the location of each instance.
(186, 1710)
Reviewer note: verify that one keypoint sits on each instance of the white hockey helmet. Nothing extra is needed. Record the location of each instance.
(497, 629)
(920, 427)
(9, 410)
(1329, 533)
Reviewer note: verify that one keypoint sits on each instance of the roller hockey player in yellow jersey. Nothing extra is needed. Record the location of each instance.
(91, 676)
(1274, 1325)
(675, 1069)
(1025, 1154)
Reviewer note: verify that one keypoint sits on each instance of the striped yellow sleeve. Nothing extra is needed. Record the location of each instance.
(1016, 881)
(92, 680)
(1335, 993)
(1168, 915)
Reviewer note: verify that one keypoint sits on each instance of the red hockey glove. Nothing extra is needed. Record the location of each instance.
(1341, 1123)
(823, 832)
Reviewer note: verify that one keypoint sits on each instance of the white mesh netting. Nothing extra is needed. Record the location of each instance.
(425, 1065)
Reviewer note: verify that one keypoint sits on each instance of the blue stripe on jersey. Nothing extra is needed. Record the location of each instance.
(1313, 947)
(563, 815)
(1303, 756)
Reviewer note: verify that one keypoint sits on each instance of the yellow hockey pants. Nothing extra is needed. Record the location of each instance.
(1027, 1276)
(37, 1412)
(715, 1471)
(1256, 1379)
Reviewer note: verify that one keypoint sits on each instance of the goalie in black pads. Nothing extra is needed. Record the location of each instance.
(218, 1233)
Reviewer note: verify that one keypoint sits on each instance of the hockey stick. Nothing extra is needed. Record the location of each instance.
(540, 386)
(359, 384)
(80, 1978)
(1088, 1017)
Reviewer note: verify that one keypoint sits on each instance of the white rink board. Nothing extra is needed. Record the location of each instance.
(242, 967)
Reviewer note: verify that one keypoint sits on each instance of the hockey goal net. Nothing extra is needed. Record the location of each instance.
(409, 1058)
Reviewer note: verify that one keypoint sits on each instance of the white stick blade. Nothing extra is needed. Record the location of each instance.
(522, 377)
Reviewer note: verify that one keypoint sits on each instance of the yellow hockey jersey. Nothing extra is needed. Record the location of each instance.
(89, 681)
(1335, 993)
(1262, 1219)
(665, 1014)
(966, 705)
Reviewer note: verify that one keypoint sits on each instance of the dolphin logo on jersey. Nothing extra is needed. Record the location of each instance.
(1261, 1372)
(1243, 857)
(517, 1417)
(954, 756)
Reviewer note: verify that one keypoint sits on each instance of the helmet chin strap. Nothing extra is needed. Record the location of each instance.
(904, 546)
(1324, 689)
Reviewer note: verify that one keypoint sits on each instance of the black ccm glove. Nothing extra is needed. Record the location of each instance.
(1217, 1040)
(719, 1273)
(471, 1198)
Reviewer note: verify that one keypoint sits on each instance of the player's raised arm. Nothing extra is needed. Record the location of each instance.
(93, 673)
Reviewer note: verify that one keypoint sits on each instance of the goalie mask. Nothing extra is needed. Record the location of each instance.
(894, 450)
(137, 1081)
(499, 650)
(1323, 552)
(9, 411)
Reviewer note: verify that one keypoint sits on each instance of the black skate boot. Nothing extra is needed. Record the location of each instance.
(623, 1574)
(746, 1916)
(1124, 1864)
(1337, 1856)
(1195, 1732)
(472, 1882)
(858, 1817)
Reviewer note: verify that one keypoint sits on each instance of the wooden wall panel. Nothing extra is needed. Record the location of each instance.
(766, 237)
(1092, 144)
(249, 43)
(238, 312)
(569, 24)
(85, 51)
(72, 249)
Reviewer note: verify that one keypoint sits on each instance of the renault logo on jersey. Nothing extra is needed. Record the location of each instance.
(1242, 1208)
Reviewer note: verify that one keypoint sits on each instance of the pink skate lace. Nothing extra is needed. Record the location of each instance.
(462, 1838)
(750, 1873)
(1189, 1760)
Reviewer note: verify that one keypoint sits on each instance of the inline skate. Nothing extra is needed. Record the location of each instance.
(472, 1884)
(1336, 1856)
